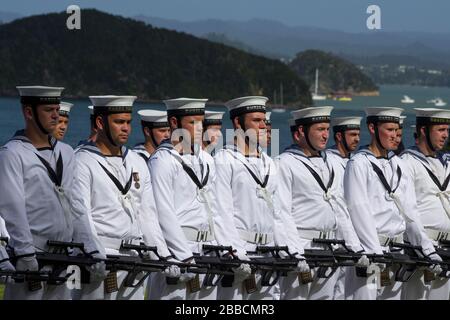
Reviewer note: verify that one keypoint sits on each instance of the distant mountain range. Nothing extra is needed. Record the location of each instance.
(116, 55)
(425, 55)
(276, 38)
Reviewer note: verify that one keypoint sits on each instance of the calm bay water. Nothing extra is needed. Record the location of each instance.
(11, 116)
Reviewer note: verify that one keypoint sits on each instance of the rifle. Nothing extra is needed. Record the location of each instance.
(22, 276)
(415, 259)
(272, 264)
(328, 260)
(219, 266)
(59, 257)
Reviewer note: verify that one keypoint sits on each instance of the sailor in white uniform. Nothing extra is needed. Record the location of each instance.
(155, 128)
(93, 126)
(36, 186)
(429, 173)
(212, 135)
(377, 194)
(246, 189)
(346, 132)
(63, 120)
(311, 193)
(112, 188)
(399, 139)
(183, 184)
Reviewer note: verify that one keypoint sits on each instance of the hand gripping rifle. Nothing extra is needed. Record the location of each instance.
(411, 260)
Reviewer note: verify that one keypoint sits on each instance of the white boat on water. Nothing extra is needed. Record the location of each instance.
(407, 100)
(316, 96)
(438, 102)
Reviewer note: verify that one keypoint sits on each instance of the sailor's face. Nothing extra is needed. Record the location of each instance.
(398, 138)
(352, 137)
(48, 116)
(319, 134)
(388, 134)
(256, 122)
(213, 134)
(61, 128)
(120, 127)
(439, 135)
(194, 126)
(161, 134)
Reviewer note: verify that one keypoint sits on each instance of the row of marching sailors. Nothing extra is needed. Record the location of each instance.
(176, 199)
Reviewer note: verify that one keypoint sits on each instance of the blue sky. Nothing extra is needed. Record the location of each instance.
(347, 15)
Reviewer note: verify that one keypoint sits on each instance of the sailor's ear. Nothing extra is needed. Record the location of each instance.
(296, 135)
(173, 122)
(301, 132)
(422, 131)
(338, 136)
(371, 128)
(99, 121)
(27, 112)
(147, 131)
(236, 123)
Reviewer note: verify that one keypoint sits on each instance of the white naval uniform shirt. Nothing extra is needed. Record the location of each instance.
(372, 210)
(240, 201)
(114, 215)
(304, 200)
(179, 201)
(429, 199)
(29, 203)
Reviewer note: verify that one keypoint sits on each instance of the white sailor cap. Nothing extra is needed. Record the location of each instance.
(153, 118)
(312, 115)
(340, 124)
(185, 107)
(268, 114)
(112, 104)
(64, 108)
(383, 114)
(400, 122)
(429, 116)
(213, 118)
(36, 95)
(240, 106)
